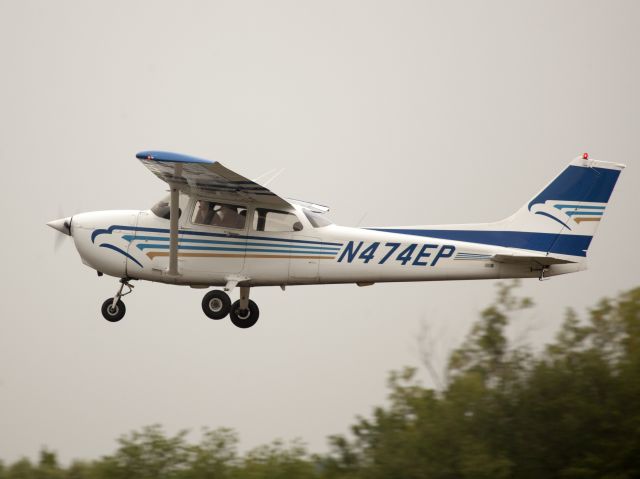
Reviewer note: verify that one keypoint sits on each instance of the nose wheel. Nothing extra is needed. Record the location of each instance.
(112, 313)
(113, 309)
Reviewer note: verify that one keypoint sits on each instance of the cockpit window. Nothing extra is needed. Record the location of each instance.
(162, 209)
(315, 219)
(219, 214)
(273, 220)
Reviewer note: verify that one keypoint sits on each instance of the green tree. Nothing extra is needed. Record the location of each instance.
(215, 456)
(148, 454)
(277, 460)
(571, 411)
(48, 467)
(21, 469)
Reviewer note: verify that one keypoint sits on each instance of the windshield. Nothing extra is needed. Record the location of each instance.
(316, 220)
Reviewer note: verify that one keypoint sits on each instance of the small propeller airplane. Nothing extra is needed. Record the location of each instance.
(217, 228)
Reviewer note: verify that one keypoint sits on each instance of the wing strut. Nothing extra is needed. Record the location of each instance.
(174, 215)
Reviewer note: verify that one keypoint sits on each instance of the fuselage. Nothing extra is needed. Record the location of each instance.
(135, 244)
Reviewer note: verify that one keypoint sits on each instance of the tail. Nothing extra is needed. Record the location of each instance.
(564, 217)
(560, 220)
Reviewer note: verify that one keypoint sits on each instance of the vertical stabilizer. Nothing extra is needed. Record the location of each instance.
(560, 220)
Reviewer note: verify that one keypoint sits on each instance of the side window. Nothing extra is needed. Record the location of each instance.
(271, 220)
(219, 214)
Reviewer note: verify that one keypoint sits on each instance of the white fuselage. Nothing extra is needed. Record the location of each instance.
(134, 244)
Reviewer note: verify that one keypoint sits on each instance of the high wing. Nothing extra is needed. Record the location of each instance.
(197, 176)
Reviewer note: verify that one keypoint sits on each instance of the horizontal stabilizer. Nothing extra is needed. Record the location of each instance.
(526, 259)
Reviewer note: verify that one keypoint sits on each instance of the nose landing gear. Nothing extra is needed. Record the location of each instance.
(113, 309)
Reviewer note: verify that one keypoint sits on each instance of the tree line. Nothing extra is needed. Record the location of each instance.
(571, 410)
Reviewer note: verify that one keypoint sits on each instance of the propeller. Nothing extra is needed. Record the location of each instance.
(63, 225)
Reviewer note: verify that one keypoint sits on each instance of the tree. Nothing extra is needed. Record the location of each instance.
(148, 454)
(21, 469)
(571, 411)
(277, 460)
(215, 456)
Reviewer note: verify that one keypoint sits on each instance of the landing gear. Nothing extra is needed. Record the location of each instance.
(113, 309)
(244, 317)
(113, 313)
(244, 312)
(216, 304)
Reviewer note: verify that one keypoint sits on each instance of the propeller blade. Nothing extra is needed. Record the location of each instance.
(57, 242)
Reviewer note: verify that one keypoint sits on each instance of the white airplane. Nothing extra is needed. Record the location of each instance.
(216, 228)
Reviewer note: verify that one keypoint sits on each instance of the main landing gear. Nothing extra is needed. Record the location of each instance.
(244, 313)
(113, 309)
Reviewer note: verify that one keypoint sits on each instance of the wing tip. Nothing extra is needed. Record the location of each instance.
(153, 155)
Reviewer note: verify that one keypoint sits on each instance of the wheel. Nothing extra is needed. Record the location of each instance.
(216, 304)
(244, 318)
(112, 314)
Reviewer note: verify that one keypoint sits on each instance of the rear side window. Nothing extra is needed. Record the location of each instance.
(273, 220)
(219, 214)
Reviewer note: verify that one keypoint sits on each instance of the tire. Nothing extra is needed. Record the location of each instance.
(216, 304)
(244, 319)
(113, 315)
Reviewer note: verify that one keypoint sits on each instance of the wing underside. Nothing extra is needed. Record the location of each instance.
(196, 176)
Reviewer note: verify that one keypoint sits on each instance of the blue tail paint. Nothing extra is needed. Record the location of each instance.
(561, 219)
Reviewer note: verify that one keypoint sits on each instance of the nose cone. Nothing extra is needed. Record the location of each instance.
(63, 225)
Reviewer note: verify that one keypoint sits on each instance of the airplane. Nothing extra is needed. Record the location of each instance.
(219, 229)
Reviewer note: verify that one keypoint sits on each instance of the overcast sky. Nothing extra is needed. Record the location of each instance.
(406, 112)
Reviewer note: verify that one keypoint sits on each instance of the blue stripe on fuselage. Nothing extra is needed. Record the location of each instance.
(574, 245)
(238, 242)
(240, 249)
(113, 228)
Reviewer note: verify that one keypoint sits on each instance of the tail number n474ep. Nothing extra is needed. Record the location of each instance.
(414, 254)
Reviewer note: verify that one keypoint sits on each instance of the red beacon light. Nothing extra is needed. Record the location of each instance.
(585, 156)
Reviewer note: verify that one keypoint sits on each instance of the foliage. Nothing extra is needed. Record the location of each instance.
(571, 411)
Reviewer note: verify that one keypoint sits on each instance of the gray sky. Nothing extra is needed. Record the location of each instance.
(410, 112)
